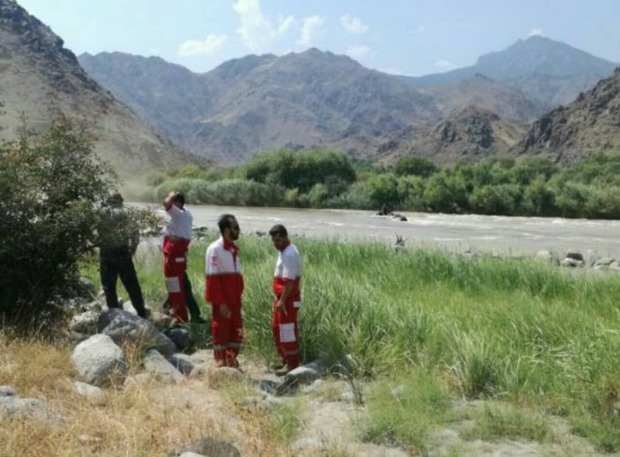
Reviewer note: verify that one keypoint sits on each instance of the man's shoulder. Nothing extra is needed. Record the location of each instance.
(215, 245)
(290, 251)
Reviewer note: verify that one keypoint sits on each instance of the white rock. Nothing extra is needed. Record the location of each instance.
(97, 359)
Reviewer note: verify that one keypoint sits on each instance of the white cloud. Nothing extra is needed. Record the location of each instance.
(359, 52)
(284, 24)
(310, 30)
(257, 31)
(207, 46)
(353, 25)
(419, 29)
(443, 64)
(536, 32)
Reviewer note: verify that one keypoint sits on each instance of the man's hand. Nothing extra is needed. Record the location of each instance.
(169, 198)
(280, 306)
(225, 311)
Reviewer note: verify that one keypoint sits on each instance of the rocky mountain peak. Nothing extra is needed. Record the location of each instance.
(30, 39)
(32, 32)
(41, 78)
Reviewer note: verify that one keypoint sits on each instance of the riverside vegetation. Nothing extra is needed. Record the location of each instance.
(529, 186)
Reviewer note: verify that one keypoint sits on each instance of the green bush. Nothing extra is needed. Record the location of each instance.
(301, 170)
(52, 187)
(414, 165)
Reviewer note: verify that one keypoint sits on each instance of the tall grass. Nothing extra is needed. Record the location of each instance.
(485, 326)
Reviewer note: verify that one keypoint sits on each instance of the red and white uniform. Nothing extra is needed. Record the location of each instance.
(224, 286)
(284, 325)
(178, 232)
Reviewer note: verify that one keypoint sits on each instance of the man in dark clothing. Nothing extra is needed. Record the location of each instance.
(118, 243)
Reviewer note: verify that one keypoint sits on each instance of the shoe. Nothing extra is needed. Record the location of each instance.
(146, 314)
(198, 320)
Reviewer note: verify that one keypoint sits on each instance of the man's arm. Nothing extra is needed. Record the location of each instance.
(214, 290)
(291, 271)
(288, 289)
(168, 201)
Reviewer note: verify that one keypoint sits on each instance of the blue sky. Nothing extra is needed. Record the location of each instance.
(411, 37)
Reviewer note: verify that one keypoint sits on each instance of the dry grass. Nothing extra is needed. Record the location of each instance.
(140, 420)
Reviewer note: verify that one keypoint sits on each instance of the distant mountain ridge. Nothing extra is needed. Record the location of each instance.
(260, 103)
(549, 72)
(315, 99)
(487, 94)
(41, 78)
(536, 55)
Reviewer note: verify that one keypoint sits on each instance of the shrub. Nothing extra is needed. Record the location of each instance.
(52, 187)
(413, 165)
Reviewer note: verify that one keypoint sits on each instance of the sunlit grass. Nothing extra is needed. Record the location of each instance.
(512, 328)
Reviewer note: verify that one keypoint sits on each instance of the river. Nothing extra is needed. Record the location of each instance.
(496, 234)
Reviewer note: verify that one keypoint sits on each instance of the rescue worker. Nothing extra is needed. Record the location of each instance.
(177, 236)
(118, 242)
(286, 287)
(190, 301)
(224, 288)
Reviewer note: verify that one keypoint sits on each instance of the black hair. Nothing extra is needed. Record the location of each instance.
(225, 222)
(179, 198)
(278, 229)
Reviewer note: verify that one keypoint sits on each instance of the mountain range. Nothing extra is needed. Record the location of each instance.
(316, 99)
(40, 79)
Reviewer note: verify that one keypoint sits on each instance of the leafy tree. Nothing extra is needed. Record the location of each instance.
(301, 170)
(384, 190)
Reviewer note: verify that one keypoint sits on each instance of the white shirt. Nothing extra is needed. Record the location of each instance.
(288, 265)
(180, 223)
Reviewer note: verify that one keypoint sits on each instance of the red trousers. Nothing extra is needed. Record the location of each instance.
(286, 334)
(227, 334)
(175, 264)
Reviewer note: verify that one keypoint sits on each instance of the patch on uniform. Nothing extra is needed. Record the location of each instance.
(173, 285)
(214, 260)
(180, 260)
(287, 333)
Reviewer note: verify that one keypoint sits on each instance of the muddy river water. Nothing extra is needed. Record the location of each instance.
(497, 234)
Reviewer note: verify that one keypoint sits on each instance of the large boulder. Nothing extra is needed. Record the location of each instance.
(124, 327)
(99, 360)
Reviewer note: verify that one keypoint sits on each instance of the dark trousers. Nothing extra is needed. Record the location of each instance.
(190, 301)
(112, 268)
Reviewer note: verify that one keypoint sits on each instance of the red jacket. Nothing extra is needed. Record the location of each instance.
(224, 281)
